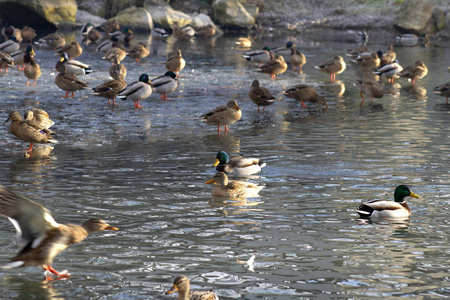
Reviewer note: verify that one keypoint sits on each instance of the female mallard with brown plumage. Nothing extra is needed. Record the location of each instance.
(117, 71)
(73, 50)
(116, 52)
(260, 95)
(110, 26)
(333, 67)
(298, 59)
(414, 72)
(388, 209)
(206, 31)
(443, 90)
(6, 61)
(183, 286)
(41, 117)
(370, 60)
(389, 56)
(233, 188)
(223, 115)
(238, 165)
(244, 42)
(176, 63)
(28, 34)
(32, 70)
(110, 89)
(304, 92)
(184, 33)
(274, 67)
(370, 88)
(28, 131)
(138, 52)
(54, 40)
(43, 237)
(69, 83)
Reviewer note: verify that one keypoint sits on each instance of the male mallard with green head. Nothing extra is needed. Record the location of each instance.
(137, 91)
(238, 165)
(165, 84)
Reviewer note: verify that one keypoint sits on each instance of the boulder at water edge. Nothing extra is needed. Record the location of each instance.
(419, 16)
(231, 14)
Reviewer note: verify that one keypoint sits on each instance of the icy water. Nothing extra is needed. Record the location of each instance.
(143, 170)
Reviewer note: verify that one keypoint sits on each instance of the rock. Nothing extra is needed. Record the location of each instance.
(419, 16)
(200, 20)
(42, 13)
(231, 14)
(94, 7)
(165, 16)
(135, 17)
(84, 17)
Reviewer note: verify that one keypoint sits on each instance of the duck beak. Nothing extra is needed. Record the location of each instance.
(238, 108)
(414, 195)
(216, 163)
(62, 59)
(7, 120)
(32, 52)
(209, 181)
(172, 290)
(111, 228)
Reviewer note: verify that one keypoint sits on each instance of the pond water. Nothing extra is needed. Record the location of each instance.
(143, 170)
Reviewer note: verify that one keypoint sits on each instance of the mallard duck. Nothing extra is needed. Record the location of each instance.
(54, 40)
(260, 56)
(370, 60)
(409, 39)
(6, 61)
(43, 237)
(206, 31)
(183, 286)
(73, 50)
(18, 35)
(69, 83)
(274, 67)
(259, 95)
(390, 71)
(298, 59)
(238, 165)
(389, 56)
(73, 67)
(443, 90)
(32, 70)
(116, 52)
(21, 56)
(370, 88)
(356, 51)
(284, 51)
(117, 70)
(125, 36)
(89, 32)
(388, 209)
(7, 30)
(110, 26)
(41, 117)
(138, 52)
(223, 115)
(28, 131)
(110, 89)
(186, 32)
(335, 66)
(10, 46)
(159, 32)
(165, 84)
(233, 188)
(304, 92)
(176, 63)
(138, 90)
(244, 42)
(28, 34)
(105, 46)
(416, 71)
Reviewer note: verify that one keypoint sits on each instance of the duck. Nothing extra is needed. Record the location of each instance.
(223, 115)
(333, 67)
(110, 89)
(233, 188)
(176, 63)
(284, 51)
(107, 45)
(165, 84)
(138, 90)
(237, 165)
(9, 46)
(389, 56)
(32, 70)
(54, 40)
(274, 67)
(244, 42)
(260, 95)
(369, 60)
(117, 70)
(414, 72)
(370, 88)
(206, 31)
(159, 33)
(90, 33)
(73, 50)
(298, 59)
(125, 36)
(183, 286)
(21, 55)
(304, 92)
(138, 52)
(7, 30)
(390, 71)
(28, 34)
(28, 131)
(6, 61)
(260, 56)
(69, 83)
(186, 32)
(388, 209)
(18, 35)
(42, 236)
(40, 117)
(116, 52)
(356, 51)
(110, 26)
(443, 90)
(409, 39)
(73, 67)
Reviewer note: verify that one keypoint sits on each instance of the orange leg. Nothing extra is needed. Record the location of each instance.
(67, 94)
(165, 97)
(114, 101)
(109, 102)
(136, 104)
(303, 104)
(136, 60)
(53, 271)
(29, 149)
(362, 97)
(28, 82)
(272, 76)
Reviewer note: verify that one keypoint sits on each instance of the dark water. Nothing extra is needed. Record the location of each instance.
(143, 170)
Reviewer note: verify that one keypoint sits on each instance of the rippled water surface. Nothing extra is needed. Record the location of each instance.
(143, 170)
